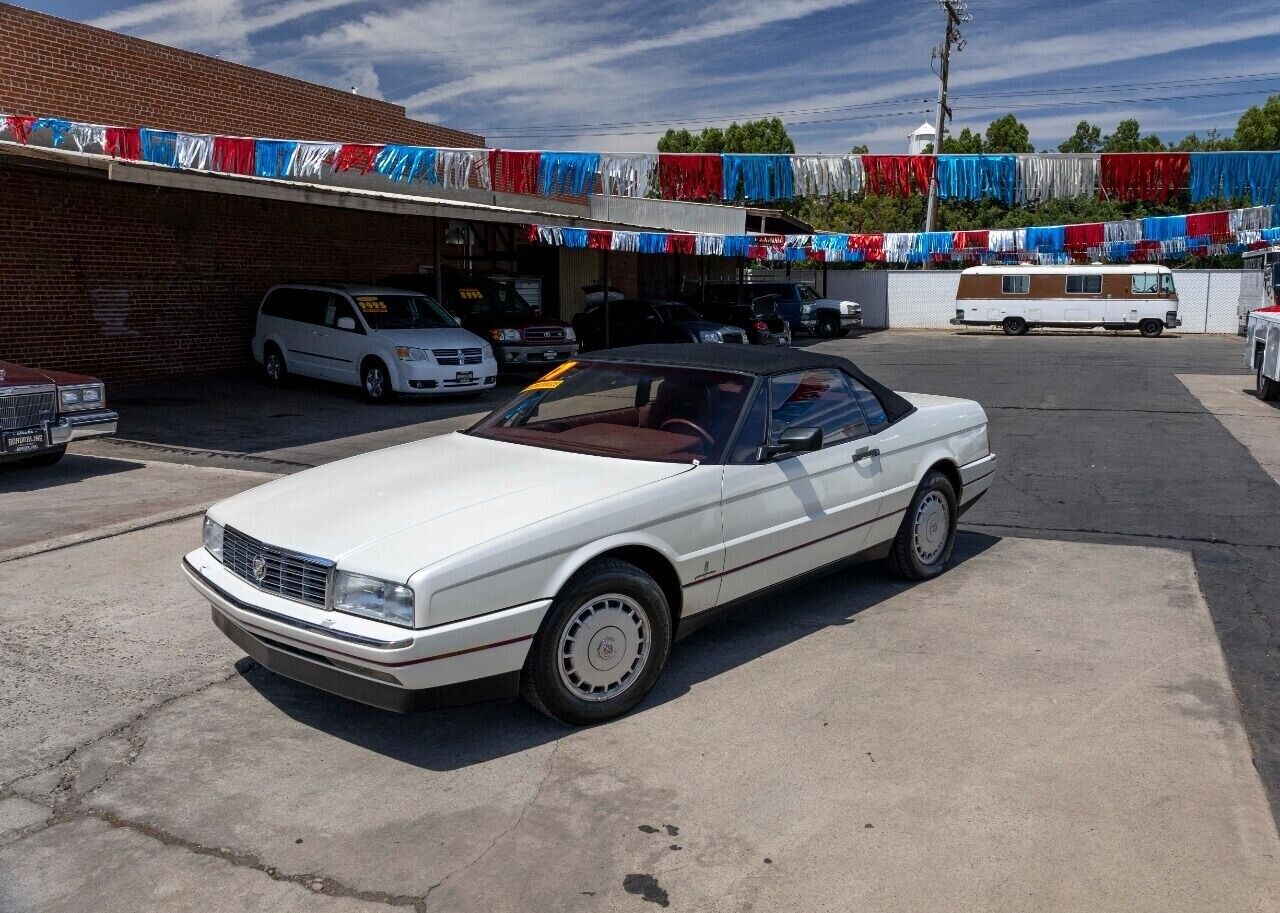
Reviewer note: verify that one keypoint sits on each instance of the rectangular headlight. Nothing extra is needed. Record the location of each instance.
(80, 397)
(370, 597)
(213, 538)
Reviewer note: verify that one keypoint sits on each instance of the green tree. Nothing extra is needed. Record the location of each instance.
(1128, 138)
(1212, 142)
(966, 142)
(1259, 128)
(1087, 138)
(860, 149)
(1008, 134)
(767, 135)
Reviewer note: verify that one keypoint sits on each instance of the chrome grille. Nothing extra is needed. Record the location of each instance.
(27, 409)
(457, 356)
(301, 578)
(544, 334)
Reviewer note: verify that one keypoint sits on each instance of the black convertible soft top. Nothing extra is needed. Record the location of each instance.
(762, 361)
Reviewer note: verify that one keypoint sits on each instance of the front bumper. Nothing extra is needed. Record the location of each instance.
(395, 668)
(850, 320)
(512, 356)
(76, 426)
(428, 377)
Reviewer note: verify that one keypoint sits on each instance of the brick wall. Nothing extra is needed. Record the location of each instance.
(130, 283)
(54, 67)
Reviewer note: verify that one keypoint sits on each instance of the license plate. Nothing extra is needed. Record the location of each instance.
(783, 340)
(464, 376)
(22, 441)
(550, 354)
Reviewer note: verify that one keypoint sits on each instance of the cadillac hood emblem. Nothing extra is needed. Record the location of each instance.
(259, 569)
(1, 373)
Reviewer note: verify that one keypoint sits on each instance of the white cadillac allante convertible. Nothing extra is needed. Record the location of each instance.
(559, 547)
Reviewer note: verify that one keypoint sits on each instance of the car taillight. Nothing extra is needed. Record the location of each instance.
(762, 326)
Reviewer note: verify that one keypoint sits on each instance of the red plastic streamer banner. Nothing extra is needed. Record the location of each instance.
(514, 172)
(690, 177)
(681, 244)
(357, 156)
(1215, 225)
(233, 154)
(1132, 176)
(20, 126)
(123, 143)
(1082, 237)
(870, 246)
(961, 240)
(892, 175)
(597, 238)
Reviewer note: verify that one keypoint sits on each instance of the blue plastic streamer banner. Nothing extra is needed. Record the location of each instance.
(831, 243)
(160, 147)
(737, 245)
(1047, 239)
(762, 177)
(1235, 174)
(573, 237)
(407, 163)
(271, 157)
(972, 177)
(568, 173)
(55, 125)
(1163, 228)
(651, 242)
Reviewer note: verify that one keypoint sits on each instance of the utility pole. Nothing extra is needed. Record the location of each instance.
(957, 12)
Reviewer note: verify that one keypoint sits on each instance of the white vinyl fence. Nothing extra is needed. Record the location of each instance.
(926, 299)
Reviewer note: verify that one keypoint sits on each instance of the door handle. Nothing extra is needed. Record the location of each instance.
(865, 453)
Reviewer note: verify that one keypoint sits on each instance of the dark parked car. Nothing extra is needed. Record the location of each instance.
(798, 304)
(758, 319)
(496, 312)
(639, 321)
(42, 411)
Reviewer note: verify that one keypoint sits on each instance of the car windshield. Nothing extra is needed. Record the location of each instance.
(403, 312)
(633, 412)
(673, 313)
(490, 298)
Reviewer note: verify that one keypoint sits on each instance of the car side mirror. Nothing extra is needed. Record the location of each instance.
(794, 440)
(346, 323)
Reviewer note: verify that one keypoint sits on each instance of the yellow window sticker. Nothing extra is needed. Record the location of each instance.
(371, 304)
(470, 294)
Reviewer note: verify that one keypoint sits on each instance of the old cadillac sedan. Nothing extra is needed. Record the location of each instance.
(558, 548)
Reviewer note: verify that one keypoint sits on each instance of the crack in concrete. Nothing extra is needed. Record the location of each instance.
(537, 794)
(1162, 537)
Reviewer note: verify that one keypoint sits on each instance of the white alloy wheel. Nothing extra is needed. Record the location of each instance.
(603, 647)
(931, 527)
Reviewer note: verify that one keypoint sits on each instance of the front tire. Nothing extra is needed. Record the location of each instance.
(601, 647)
(827, 328)
(927, 536)
(1268, 390)
(1014, 326)
(1151, 328)
(375, 380)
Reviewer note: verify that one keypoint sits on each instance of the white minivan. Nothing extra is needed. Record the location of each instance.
(384, 340)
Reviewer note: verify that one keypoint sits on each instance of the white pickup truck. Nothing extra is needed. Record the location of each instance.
(1262, 350)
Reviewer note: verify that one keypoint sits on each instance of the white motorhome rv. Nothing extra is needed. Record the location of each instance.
(1257, 283)
(1138, 297)
(1262, 350)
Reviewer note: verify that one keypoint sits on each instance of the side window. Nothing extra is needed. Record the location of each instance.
(1080, 284)
(819, 398)
(1015, 285)
(337, 308)
(277, 303)
(871, 408)
(1166, 282)
(746, 449)
(311, 306)
(1144, 284)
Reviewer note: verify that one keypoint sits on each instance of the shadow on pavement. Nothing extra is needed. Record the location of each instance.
(16, 477)
(457, 738)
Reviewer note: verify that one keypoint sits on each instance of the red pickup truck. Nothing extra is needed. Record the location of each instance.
(42, 411)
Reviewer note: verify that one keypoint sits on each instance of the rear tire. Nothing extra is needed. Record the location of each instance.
(273, 365)
(602, 646)
(1268, 390)
(1015, 326)
(1151, 328)
(375, 380)
(927, 535)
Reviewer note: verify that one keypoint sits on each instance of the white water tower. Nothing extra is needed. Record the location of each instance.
(922, 136)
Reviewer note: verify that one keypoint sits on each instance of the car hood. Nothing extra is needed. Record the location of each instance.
(16, 375)
(392, 512)
(450, 338)
(845, 305)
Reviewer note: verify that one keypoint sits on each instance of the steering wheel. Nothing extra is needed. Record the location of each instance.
(692, 426)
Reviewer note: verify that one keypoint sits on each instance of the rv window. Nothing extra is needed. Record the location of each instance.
(1144, 284)
(1084, 285)
(1015, 285)
(1166, 282)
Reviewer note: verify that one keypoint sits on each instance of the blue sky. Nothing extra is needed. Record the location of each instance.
(612, 75)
